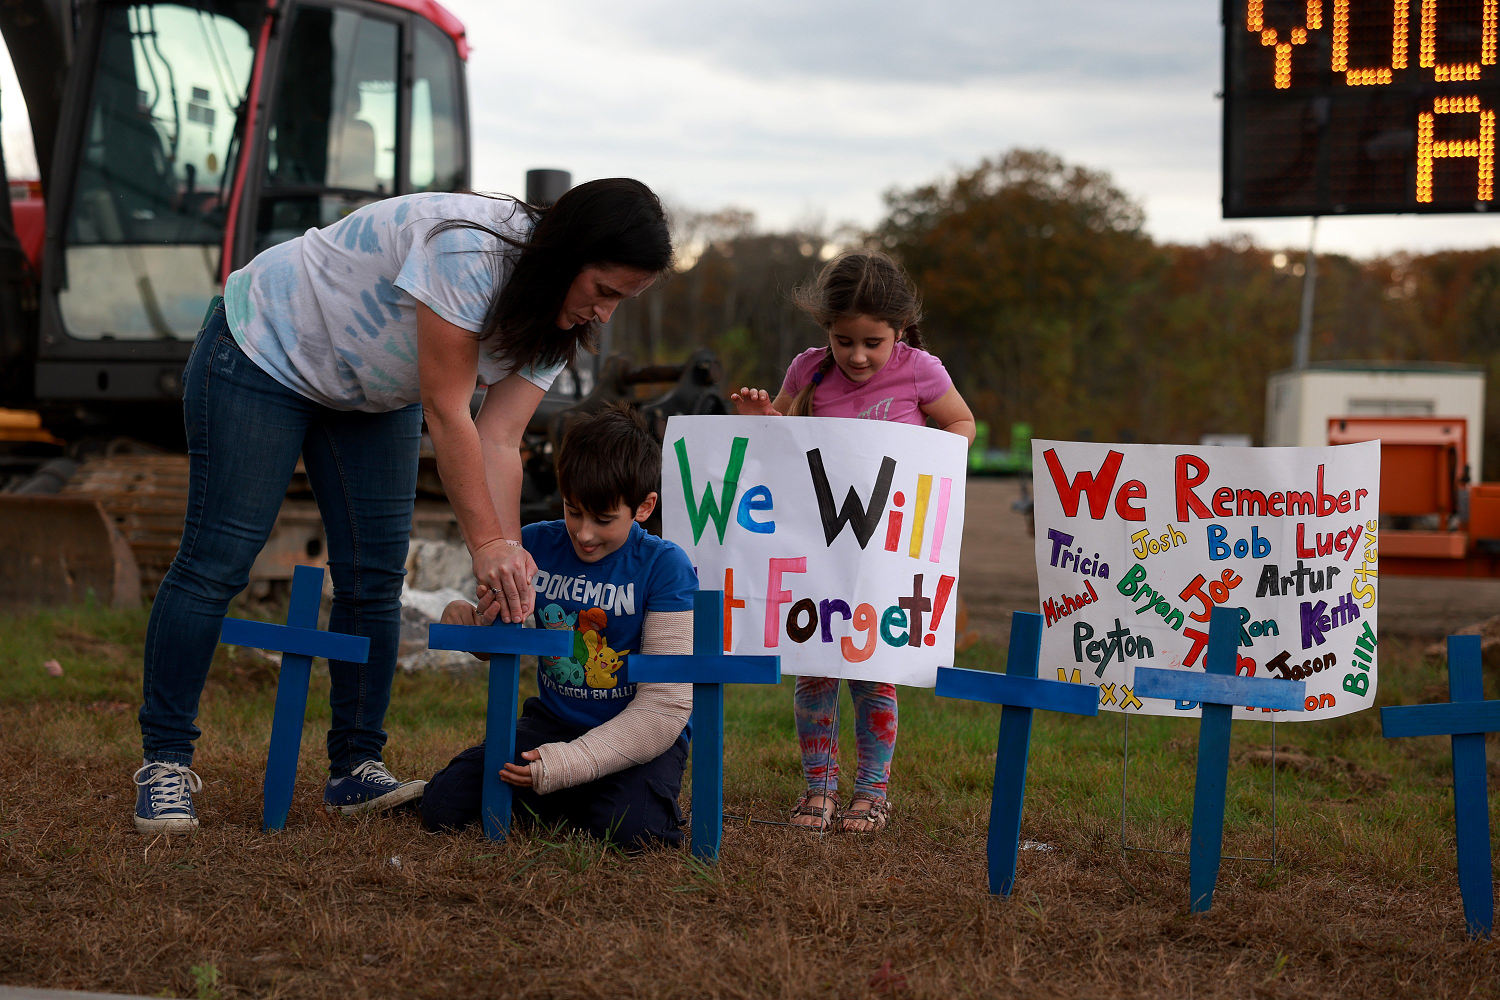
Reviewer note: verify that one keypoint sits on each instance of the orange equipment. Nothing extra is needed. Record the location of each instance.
(1433, 522)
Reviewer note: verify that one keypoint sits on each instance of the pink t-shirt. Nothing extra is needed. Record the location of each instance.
(909, 380)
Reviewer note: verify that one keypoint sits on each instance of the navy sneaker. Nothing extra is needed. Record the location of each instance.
(164, 798)
(369, 789)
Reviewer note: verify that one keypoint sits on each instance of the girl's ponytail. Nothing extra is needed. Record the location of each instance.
(802, 402)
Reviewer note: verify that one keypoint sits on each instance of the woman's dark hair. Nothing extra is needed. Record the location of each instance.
(858, 283)
(615, 220)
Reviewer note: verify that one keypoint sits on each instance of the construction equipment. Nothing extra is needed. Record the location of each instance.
(657, 391)
(1437, 516)
(175, 140)
(1433, 520)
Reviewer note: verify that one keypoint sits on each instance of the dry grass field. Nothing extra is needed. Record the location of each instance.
(1361, 902)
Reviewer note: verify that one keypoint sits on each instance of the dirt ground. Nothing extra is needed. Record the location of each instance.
(999, 576)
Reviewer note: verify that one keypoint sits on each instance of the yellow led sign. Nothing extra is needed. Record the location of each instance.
(1360, 106)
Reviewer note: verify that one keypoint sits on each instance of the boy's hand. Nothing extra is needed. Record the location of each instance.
(460, 613)
(464, 613)
(519, 775)
(752, 403)
(489, 605)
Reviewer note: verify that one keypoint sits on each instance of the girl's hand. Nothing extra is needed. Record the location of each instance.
(519, 775)
(507, 570)
(753, 403)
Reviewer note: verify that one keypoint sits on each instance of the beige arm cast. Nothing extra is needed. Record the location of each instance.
(643, 730)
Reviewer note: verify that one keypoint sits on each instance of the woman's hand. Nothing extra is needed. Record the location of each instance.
(507, 570)
(519, 775)
(753, 403)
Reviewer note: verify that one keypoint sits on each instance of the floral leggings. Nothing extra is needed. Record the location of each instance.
(816, 703)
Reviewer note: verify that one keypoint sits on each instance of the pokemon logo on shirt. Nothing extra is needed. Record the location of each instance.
(593, 665)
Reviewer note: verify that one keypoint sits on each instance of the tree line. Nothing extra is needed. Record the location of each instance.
(1049, 304)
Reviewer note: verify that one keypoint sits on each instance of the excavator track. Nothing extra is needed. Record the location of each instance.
(143, 498)
(114, 528)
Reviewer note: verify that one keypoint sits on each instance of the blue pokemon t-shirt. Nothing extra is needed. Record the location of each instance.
(603, 604)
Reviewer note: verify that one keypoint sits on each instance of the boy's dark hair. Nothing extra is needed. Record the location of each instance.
(607, 458)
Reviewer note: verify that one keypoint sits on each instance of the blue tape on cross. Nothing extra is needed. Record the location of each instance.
(291, 639)
(1217, 689)
(1015, 690)
(502, 639)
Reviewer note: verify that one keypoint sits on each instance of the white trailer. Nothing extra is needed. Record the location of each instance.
(1299, 403)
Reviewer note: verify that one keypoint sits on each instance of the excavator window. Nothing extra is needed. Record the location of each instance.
(334, 148)
(437, 125)
(147, 217)
(160, 143)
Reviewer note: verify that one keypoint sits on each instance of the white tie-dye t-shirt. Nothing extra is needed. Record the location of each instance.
(332, 314)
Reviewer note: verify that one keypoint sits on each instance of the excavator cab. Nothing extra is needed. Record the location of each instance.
(191, 134)
(175, 140)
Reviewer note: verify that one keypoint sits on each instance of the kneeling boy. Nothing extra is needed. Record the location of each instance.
(596, 751)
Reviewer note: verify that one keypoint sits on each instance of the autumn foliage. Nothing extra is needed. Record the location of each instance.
(1050, 304)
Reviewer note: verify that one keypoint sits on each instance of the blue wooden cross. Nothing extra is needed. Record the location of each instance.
(298, 641)
(708, 668)
(1020, 691)
(1218, 690)
(1466, 718)
(505, 644)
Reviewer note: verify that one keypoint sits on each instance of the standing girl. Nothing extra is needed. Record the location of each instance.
(873, 367)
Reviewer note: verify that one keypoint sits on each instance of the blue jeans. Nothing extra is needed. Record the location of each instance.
(244, 433)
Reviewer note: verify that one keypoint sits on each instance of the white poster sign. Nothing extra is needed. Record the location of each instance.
(1136, 544)
(835, 541)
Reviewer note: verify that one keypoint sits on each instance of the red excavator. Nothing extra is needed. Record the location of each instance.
(175, 140)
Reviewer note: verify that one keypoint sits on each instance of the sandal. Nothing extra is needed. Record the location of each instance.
(822, 815)
(871, 819)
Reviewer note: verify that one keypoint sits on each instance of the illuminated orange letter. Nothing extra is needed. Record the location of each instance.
(1255, 20)
(1427, 54)
(1376, 74)
(1482, 149)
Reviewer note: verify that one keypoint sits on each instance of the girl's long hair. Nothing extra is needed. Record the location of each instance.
(857, 283)
(613, 221)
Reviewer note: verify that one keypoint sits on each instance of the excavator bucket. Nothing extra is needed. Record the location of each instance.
(62, 549)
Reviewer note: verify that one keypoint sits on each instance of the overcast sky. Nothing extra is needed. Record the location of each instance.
(807, 111)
